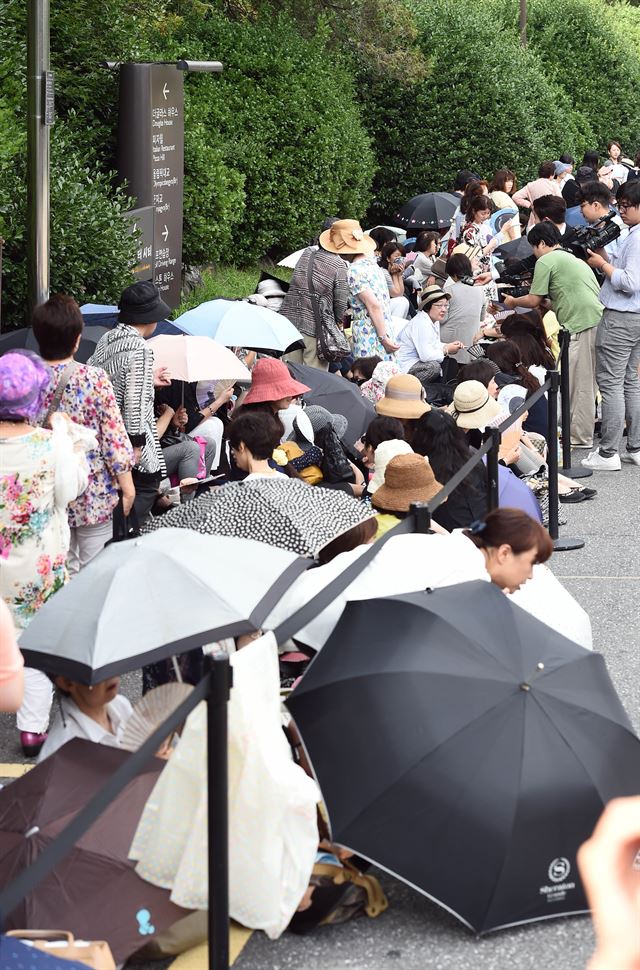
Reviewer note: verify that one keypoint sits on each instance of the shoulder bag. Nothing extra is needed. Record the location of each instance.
(332, 345)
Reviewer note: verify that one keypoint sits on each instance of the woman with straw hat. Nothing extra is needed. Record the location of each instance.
(370, 305)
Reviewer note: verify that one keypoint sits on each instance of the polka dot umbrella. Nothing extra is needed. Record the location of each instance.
(279, 511)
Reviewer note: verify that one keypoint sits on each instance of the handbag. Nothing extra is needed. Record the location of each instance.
(62, 945)
(331, 343)
(124, 526)
(335, 464)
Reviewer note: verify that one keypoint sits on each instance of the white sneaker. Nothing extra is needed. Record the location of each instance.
(598, 463)
(633, 457)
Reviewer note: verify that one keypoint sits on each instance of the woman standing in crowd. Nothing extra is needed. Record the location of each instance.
(392, 265)
(372, 327)
(40, 473)
(86, 394)
(476, 232)
(502, 187)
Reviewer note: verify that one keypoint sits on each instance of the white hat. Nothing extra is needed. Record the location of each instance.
(385, 451)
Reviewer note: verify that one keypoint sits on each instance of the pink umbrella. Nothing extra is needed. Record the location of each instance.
(189, 358)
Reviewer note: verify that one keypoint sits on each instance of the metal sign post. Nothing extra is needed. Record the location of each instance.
(40, 116)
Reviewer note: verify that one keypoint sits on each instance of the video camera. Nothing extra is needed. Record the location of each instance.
(592, 237)
(514, 283)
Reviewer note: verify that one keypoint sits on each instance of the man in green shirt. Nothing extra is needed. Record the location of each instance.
(573, 291)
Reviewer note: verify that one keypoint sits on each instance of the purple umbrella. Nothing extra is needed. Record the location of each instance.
(514, 494)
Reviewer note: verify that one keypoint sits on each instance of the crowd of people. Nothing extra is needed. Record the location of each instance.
(438, 349)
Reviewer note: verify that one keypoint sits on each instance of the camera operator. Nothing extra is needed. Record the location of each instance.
(574, 294)
(618, 340)
(595, 205)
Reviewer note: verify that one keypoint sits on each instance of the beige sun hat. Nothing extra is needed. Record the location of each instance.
(404, 397)
(407, 479)
(346, 237)
(473, 406)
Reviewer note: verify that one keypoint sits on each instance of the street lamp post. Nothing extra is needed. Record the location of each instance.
(39, 119)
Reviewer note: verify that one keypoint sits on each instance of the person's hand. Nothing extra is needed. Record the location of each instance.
(389, 345)
(164, 409)
(224, 398)
(181, 417)
(610, 872)
(128, 498)
(482, 279)
(137, 454)
(161, 377)
(395, 269)
(512, 456)
(454, 347)
(510, 302)
(596, 260)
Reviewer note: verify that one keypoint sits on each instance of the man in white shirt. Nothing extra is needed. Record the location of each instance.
(595, 205)
(420, 337)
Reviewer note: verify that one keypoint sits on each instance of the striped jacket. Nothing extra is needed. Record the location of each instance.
(128, 361)
(330, 284)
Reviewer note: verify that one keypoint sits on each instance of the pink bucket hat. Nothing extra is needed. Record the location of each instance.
(271, 381)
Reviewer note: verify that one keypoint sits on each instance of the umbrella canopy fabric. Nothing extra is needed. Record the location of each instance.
(432, 210)
(25, 339)
(338, 396)
(292, 260)
(146, 599)
(467, 748)
(239, 324)
(191, 358)
(107, 316)
(514, 249)
(94, 892)
(278, 511)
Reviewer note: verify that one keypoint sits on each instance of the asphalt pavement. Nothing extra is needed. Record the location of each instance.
(414, 933)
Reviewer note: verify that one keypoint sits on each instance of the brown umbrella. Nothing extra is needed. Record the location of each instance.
(94, 892)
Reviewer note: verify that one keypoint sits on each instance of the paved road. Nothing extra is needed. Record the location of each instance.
(415, 934)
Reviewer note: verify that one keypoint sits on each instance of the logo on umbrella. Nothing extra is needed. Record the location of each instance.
(559, 869)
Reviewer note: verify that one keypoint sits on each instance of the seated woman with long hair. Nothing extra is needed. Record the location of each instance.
(506, 354)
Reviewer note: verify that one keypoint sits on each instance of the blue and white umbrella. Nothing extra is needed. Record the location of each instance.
(235, 323)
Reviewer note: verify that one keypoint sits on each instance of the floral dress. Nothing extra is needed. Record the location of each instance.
(89, 400)
(365, 274)
(39, 475)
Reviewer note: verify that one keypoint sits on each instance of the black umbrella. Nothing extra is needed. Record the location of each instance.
(24, 339)
(467, 748)
(432, 210)
(514, 249)
(338, 396)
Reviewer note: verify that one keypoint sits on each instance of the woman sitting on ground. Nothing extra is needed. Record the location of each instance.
(98, 713)
(512, 543)
(392, 264)
(363, 367)
(421, 339)
(404, 398)
(506, 354)
(408, 478)
(380, 429)
(427, 249)
(253, 438)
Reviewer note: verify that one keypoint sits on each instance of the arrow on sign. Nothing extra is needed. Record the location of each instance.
(165, 233)
(166, 90)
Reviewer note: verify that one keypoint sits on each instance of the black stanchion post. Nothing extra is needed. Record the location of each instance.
(568, 469)
(564, 544)
(493, 456)
(422, 515)
(218, 807)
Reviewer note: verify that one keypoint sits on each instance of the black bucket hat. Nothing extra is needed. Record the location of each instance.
(141, 303)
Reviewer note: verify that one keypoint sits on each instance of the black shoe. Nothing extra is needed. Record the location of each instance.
(590, 492)
(575, 495)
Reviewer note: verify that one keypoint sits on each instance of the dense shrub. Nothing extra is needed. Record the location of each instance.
(589, 49)
(488, 104)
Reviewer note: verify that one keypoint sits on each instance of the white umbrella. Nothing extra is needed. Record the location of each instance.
(292, 260)
(189, 358)
(143, 600)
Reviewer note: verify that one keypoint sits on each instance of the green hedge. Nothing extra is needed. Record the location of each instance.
(487, 105)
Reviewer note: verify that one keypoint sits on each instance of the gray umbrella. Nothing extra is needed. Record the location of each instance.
(24, 338)
(142, 601)
(280, 511)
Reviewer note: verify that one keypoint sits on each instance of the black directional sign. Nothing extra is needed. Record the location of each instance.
(151, 160)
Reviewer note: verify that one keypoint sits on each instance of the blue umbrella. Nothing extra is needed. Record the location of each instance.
(104, 315)
(514, 494)
(235, 323)
(15, 955)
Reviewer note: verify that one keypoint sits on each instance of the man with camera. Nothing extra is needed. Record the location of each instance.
(574, 295)
(618, 340)
(595, 205)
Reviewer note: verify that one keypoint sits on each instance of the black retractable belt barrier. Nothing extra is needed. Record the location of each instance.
(564, 544)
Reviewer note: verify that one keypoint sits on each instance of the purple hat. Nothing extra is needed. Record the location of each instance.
(24, 379)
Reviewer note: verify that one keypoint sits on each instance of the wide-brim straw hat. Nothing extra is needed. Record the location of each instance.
(473, 406)
(271, 381)
(347, 237)
(407, 479)
(404, 397)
